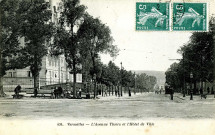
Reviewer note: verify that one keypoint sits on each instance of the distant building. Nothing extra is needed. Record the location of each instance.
(54, 69)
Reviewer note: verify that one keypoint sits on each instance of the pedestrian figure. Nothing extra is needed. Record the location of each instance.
(88, 95)
(191, 94)
(201, 94)
(161, 90)
(56, 92)
(35, 92)
(201, 91)
(17, 90)
(66, 93)
(79, 92)
(52, 93)
(208, 89)
(129, 92)
(197, 91)
(105, 95)
(116, 92)
(171, 92)
(60, 92)
(212, 90)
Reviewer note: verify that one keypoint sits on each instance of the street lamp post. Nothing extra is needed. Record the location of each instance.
(67, 84)
(183, 76)
(213, 23)
(94, 78)
(135, 83)
(121, 78)
(191, 90)
(118, 88)
(86, 88)
(91, 83)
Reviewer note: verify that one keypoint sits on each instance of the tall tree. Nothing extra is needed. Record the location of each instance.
(11, 21)
(172, 76)
(66, 39)
(142, 81)
(37, 31)
(113, 73)
(96, 38)
(197, 59)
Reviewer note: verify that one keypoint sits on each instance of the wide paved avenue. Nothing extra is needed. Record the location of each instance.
(140, 106)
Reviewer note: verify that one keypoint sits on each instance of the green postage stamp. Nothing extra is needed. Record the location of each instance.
(152, 16)
(185, 16)
(189, 16)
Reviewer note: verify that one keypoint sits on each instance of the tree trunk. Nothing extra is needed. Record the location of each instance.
(93, 59)
(121, 90)
(73, 65)
(2, 94)
(35, 70)
(112, 89)
(115, 88)
(94, 88)
(102, 90)
(194, 90)
(74, 79)
(36, 83)
(118, 89)
(213, 23)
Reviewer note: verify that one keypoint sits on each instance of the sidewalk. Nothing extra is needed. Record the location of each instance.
(195, 97)
(124, 96)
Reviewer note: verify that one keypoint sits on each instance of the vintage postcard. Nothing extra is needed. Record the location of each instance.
(115, 67)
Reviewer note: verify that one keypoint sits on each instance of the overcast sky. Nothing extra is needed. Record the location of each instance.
(140, 50)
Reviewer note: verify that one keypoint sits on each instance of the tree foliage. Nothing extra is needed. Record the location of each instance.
(95, 38)
(11, 22)
(145, 82)
(197, 59)
(37, 31)
(113, 75)
(93, 28)
(26, 36)
(66, 39)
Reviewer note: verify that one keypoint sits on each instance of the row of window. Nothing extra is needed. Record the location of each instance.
(11, 74)
(14, 74)
(52, 74)
(54, 62)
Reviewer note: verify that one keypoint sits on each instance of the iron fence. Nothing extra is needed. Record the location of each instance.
(9, 84)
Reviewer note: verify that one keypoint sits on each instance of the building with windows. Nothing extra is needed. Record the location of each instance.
(54, 68)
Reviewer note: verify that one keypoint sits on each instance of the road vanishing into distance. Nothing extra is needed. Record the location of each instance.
(140, 106)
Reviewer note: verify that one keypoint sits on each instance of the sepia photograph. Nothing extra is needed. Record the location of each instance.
(107, 67)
